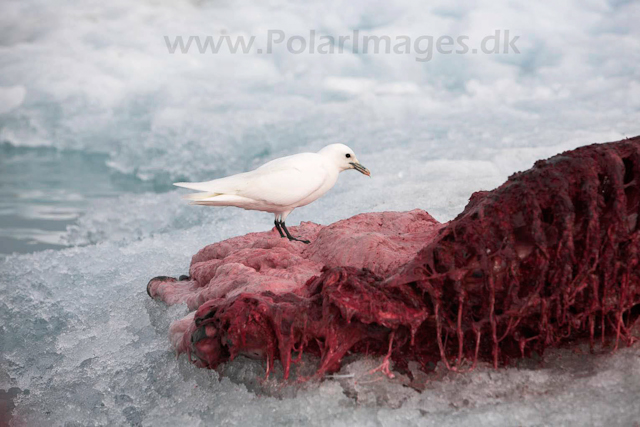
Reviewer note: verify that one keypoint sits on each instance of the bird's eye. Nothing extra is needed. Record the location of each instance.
(348, 156)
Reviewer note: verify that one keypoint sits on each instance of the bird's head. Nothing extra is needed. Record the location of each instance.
(343, 158)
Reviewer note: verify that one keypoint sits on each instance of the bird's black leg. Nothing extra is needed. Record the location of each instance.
(289, 236)
(278, 228)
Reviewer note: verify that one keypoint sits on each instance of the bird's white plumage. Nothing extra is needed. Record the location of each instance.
(280, 185)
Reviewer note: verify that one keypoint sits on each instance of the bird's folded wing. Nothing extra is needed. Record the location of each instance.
(281, 184)
(283, 187)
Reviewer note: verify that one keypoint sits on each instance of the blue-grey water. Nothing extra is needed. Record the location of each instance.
(44, 190)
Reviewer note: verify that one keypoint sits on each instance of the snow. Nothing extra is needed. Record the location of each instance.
(79, 336)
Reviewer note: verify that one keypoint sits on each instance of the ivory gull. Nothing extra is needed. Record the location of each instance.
(280, 185)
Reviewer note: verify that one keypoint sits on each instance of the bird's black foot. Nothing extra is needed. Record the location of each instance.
(289, 236)
(277, 223)
(306, 242)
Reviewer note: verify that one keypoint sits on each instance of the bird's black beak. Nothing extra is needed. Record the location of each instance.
(360, 168)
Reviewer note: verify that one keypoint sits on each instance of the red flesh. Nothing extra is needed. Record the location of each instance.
(549, 256)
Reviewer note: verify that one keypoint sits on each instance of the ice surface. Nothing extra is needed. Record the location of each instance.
(79, 336)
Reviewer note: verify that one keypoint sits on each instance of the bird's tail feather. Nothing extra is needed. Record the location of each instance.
(218, 199)
(200, 186)
(194, 197)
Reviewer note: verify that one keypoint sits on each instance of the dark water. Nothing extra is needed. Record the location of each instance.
(44, 190)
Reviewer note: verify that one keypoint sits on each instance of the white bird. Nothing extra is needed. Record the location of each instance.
(280, 185)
